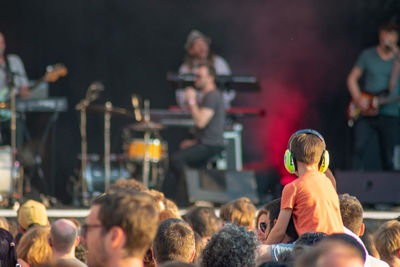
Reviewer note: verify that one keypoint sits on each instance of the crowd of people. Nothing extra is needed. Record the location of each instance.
(130, 225)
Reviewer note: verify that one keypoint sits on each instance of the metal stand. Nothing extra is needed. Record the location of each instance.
(107, 152)
(91, 95)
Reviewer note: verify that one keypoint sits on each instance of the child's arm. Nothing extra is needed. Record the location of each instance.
(278, 231)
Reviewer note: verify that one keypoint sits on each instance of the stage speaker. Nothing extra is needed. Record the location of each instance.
(370, 187)
(220, 186)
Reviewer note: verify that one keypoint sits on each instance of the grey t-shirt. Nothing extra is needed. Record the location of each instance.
(212, 134)
(377, 74)
(20, 79)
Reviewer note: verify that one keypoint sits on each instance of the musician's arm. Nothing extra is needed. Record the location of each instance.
(354, 88)
(24, 92)
(200, 115)
(394, 77)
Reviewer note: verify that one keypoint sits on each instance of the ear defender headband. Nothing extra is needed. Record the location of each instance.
(290, 162)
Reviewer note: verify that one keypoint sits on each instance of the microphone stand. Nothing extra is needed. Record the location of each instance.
(107, 150)
(91, 95)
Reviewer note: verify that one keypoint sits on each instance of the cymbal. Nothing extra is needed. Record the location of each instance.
(114, 110)
(145, 126)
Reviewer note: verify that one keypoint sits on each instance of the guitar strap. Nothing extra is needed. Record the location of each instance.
(394, 76)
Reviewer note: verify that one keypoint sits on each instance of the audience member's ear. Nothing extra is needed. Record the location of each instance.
(362, 230)
(116, 237)
(398, 253)
(78, 239)
(50, 242)
(275, 220)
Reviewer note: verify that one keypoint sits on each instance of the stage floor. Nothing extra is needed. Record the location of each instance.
(82, 213)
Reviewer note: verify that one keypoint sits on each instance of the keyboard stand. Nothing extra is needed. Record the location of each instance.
(37, 167)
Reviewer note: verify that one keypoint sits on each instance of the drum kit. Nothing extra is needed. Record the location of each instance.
(142, 143)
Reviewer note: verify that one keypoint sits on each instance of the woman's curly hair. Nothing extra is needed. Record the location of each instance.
(231, 246)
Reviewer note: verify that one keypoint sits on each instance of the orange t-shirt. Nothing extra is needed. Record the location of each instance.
(314, 204)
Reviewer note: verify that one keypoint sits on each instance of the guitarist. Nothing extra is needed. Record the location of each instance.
(376, 65)
(11, 66)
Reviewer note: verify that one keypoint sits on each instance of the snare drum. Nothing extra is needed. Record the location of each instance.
(136, 149)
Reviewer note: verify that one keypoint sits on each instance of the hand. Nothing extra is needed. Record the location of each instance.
(363, 103)
(190, 94)
(24, 92)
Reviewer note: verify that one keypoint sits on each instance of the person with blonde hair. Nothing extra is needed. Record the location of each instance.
(240, 212)
(33, 248)
(387, 242)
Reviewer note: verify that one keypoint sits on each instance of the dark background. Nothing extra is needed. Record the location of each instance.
(302, 52)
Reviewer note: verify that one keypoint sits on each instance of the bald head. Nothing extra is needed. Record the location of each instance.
(63, 235)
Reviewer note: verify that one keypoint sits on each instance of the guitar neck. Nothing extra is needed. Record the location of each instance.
(387, 100)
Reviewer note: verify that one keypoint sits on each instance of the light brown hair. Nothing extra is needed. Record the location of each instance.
(387, 239)
(135, 214)
(306, 148)
(239, 211)
(34, 247)
(351, 212)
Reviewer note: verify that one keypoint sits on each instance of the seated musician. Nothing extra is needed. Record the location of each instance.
(209, 117)
(11, 66)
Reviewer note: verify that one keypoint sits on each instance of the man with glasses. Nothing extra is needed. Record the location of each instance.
(119, 229)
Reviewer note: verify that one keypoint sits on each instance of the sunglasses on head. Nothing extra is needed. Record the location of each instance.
(263, 226)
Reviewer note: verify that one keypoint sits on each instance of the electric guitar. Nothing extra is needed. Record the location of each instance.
(53, 73)
(374, 102)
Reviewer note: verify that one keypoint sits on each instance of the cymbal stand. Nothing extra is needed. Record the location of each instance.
(91, 95)
(147, 133)
(107, 159)
(13, 127)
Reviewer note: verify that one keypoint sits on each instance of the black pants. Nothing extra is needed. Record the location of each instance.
(387, 130)
(195, 156)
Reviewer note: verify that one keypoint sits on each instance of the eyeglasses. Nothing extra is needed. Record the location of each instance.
(263, 226)
(85, 227)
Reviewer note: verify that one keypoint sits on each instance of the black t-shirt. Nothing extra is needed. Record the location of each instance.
(212, 134)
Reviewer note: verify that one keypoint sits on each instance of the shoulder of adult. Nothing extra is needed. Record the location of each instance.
(13, 58)
(374, 262)
(221, 66)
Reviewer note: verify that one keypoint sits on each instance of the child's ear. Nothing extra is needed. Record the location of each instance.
(275, 220)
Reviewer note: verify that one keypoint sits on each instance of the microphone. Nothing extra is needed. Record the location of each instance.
(388, 45)
(96, 86)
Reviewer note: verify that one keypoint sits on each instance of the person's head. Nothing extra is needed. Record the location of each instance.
(172, 207)
(388, 33)
(34, 247)
(307, 147)
(2, 44)
(231, 246)
(177, 264)
(120, 225)
(127, 185)
(197, 45)
(268, 216)
(174, 241)
(305, 243)
(203, 220)
(204, 77)
(352, 213)
(387, 240)
(32, 213)
(331, 253)
(4, 223)
(349, 240)
(63, 236)
(8, 254)
(240, 212)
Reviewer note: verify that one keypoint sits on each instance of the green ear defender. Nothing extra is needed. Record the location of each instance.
(290, 162)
